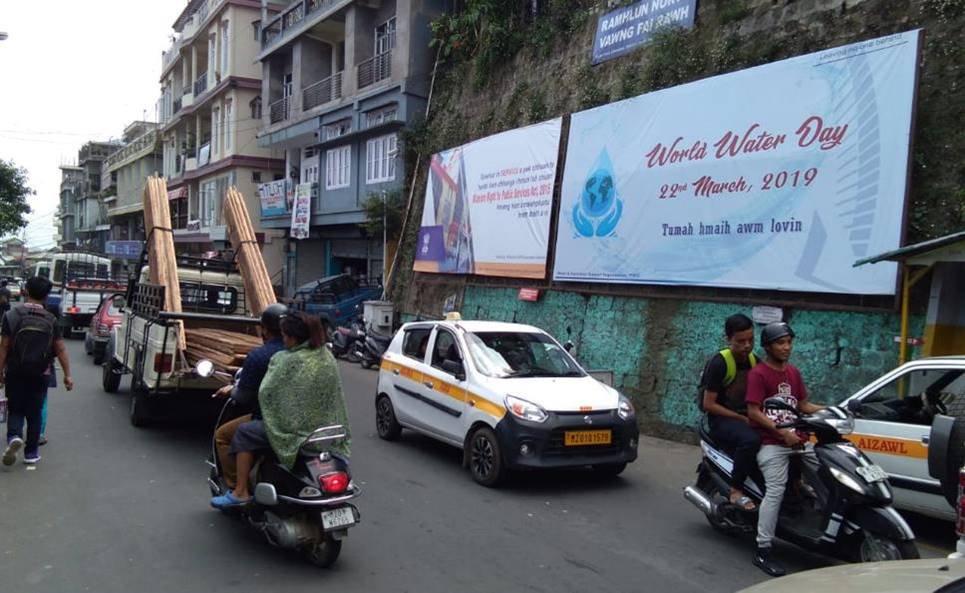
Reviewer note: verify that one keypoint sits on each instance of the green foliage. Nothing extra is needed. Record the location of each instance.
(732, 10)
(389, 204)
(13, 197)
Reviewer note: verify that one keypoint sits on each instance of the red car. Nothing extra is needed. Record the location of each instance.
(108, 315)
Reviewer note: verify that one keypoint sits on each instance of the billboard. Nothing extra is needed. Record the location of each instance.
(302, 211)
(488, 205)
(272, 195)
(775, 177)
(623, 30)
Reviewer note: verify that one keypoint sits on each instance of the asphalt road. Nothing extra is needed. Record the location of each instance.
(115, 508)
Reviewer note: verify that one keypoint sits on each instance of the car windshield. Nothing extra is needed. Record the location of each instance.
(520, 354)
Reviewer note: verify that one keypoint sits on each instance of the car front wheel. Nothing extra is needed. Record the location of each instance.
(485, 457)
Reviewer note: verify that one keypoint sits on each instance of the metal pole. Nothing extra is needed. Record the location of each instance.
(384, 246)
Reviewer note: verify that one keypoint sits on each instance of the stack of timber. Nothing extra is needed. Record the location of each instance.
(258, 290)
(162, 261)
(226, 349)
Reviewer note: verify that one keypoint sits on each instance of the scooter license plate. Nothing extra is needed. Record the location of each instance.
(337, 518)
(872, 473)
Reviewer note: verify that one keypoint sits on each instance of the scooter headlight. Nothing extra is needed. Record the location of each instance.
(842, 425)
(525, 410)
(848, 481)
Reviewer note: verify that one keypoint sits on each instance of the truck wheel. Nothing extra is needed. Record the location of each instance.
(139, 408)
(110, 379)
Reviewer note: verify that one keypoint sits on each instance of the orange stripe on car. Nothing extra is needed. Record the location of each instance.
(456, 392)
(889, 445)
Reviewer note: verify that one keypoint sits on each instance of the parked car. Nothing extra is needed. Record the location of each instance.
(903, 576)
(509, 395)
(107, 315)
(15, 287)
(336, 300)
(911, 422)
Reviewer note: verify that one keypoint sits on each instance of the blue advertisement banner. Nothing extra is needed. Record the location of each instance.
(124, 249)
(776, 177)
(622, 31)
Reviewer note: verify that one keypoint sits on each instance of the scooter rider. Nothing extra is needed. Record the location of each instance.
(775, 379)
(246, 391)
(723, 385)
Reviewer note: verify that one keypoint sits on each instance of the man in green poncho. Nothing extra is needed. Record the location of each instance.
(300, 392)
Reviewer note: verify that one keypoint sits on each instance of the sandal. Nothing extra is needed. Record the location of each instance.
(228, 500)
(745, 503)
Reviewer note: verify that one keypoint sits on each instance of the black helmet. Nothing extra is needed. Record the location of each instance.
(272, 315)
(773, 332)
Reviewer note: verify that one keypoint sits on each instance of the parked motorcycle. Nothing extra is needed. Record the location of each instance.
(849, 513)
(345, 341)
(306, 508)
(370, 350)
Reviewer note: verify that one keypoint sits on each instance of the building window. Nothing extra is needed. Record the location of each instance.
(215, 131)
(256, 176)
(227, 126)
(338, 129)
(256, 28)
(377, 117)
(338, 161)
(385, 37)
(212, 57)
(223, 31)
(380, 159)
(255, 108)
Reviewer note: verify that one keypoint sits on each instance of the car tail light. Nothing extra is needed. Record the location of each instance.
(163, 363)
(960, 527)
(73, 310)
(334, 483)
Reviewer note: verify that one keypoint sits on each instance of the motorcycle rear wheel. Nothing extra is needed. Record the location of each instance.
(877, 548)
(324, 553)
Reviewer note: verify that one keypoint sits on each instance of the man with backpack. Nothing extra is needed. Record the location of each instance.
(29, 341)
(722, 389)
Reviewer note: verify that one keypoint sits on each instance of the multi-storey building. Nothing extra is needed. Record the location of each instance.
(209, 116)
(340, 79)
(126, 173)
(71, 190)
(91, 226)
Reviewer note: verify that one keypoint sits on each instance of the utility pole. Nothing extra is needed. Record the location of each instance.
(384, 242)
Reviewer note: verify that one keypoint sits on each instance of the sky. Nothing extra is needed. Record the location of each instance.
(72, 72)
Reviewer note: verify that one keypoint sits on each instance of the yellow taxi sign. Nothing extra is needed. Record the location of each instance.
(453, 316)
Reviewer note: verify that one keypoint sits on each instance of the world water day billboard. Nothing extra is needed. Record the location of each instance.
(488, 205)
(775, 177)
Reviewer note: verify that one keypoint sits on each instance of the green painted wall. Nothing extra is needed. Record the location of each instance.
(656, 348)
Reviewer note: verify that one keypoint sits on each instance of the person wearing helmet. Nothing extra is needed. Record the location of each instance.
(776, 380)
(245, 390)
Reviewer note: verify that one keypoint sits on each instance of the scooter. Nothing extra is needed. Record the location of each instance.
(306, 508)
(374, 346)
(345, 341)
(848, 512)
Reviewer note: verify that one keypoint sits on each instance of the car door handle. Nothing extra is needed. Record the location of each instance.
(472, 403)
(925, 439)
(428, 384)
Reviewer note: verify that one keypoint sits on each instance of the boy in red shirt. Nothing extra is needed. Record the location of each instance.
(778, 380)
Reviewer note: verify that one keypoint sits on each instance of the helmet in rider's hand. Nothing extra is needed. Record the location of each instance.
(272, 315)
(773, 332)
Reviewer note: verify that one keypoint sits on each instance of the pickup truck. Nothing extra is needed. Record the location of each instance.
(145, 343)
(336, 300)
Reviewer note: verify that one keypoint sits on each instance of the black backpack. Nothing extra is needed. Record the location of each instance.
(32, 341)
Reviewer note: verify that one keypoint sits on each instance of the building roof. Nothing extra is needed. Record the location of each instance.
(947, 248)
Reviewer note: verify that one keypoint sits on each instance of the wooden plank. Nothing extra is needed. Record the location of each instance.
(258, 290)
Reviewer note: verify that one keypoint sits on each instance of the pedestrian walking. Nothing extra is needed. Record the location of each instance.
(29, 341)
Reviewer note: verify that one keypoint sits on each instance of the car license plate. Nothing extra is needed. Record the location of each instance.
(341, 517)
(576, 438)
(872, 473)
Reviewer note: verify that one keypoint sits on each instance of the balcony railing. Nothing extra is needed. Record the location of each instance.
(177, 105)
(289, 18)
(201, 84)
(280, 110)
(323, 91)
(375, 69)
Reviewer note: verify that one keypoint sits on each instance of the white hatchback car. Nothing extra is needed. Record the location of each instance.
(509, 395)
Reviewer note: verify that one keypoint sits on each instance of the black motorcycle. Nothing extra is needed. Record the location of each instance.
(846, 512)
(306, 508)
(370, 350)
(345, 341)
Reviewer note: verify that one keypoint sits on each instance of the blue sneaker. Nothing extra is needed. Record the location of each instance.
(10, 454)
(228, 500)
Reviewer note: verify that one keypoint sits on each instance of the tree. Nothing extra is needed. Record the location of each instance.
(13, 197)
(393, 209)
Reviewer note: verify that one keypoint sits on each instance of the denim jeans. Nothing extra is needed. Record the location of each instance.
(31, 414)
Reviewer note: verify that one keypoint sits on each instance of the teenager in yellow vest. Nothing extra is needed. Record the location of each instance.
(723, 384)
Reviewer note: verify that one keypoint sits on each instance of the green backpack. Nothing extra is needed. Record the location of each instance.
(729, 375)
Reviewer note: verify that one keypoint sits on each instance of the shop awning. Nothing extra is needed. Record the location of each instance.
(943, 249)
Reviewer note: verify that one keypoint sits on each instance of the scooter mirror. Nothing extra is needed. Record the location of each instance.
(568, 346)
(854, 406)
(204, 368)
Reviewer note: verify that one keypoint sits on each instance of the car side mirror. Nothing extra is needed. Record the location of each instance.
(568, 346)
(854, 406)
(455, 369)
